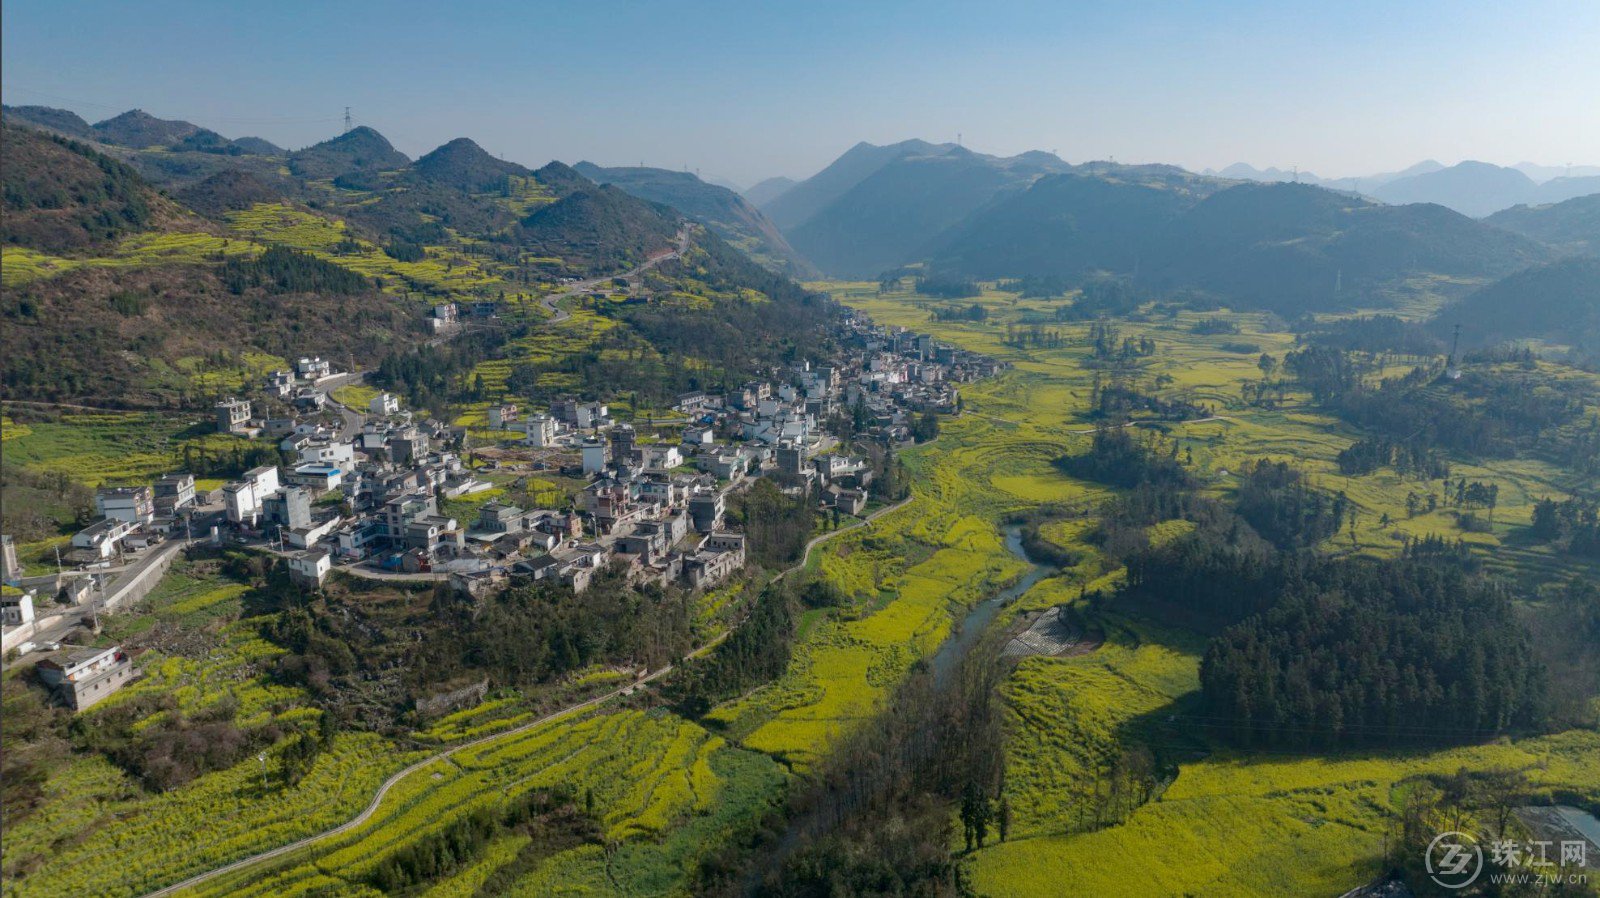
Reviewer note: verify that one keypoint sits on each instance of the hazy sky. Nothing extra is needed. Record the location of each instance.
(744, 90)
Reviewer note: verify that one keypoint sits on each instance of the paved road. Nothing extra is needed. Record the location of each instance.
(56, 627)
(353, 419)
(394, 780)
(391, 782)
(558, 314)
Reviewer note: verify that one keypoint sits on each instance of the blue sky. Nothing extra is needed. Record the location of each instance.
(744, 90)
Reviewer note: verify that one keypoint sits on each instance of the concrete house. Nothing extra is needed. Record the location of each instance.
(100, 540)
(289, 507)
(174, 492)
(706, 508)
(81, 677)
(16, 607)
(243, 497)
(133, 504)
(718, 557)
(383, 405)
(501, 415)
(541, 430)
(233, 415)
(309, 569)
(594, 455)
(313, 369)
(659, 457)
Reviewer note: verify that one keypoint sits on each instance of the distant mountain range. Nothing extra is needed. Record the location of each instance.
(1319, 244)
(216, 175)
(874, 206)
(339, 228)
(1472, 188)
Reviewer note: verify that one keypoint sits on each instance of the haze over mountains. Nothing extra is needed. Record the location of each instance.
(1241, 236)
(1471, 188)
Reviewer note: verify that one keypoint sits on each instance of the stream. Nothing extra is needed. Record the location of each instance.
(970, 628)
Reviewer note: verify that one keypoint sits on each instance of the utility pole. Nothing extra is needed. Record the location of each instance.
(347, 124)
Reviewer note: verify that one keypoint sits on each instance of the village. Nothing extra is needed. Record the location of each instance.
(369, 491)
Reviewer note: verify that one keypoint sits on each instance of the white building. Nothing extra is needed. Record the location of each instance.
(313, 369)
(541, 430)
(101, 539)
(134, 504)
(501, 415)
(594, 456)
(309, 569)
(384, 404)
(657, 457)
(232, 415)
(243, 497)
(16, 608)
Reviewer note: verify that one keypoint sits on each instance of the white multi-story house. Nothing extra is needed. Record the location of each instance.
(134, 504)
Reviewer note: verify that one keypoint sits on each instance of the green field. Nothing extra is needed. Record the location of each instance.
(1227, 824)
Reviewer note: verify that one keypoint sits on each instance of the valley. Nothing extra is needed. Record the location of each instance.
(621, 551)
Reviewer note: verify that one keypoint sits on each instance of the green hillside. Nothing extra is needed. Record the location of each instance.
(358, 150)
(1572, 226)
(724, 211)
(1558, 303)
(141, 130)
(1285, 247)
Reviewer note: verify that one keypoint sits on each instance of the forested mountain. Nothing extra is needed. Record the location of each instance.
(282, 264)
(724, 211)
(1558, 302)
(60, 121)
(123, 336)
(1291, 247)
(888, 215)
(802, 201)
(229, 191)
(360, 149)
(1287, 247)
(259, 146)
(141, 130)
(600, 228)
(764, 192)
(61, 195)
(1067, 226)
(465, 166)
(1572, 226)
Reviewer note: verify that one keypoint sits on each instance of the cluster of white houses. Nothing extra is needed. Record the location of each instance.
(368, 491)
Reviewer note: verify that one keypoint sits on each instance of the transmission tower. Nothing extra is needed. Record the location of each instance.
(347, 121)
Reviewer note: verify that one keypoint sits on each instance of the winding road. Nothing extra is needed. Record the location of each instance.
(558, 314)
(392, 781)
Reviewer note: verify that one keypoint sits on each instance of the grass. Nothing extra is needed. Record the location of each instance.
(95, 448)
